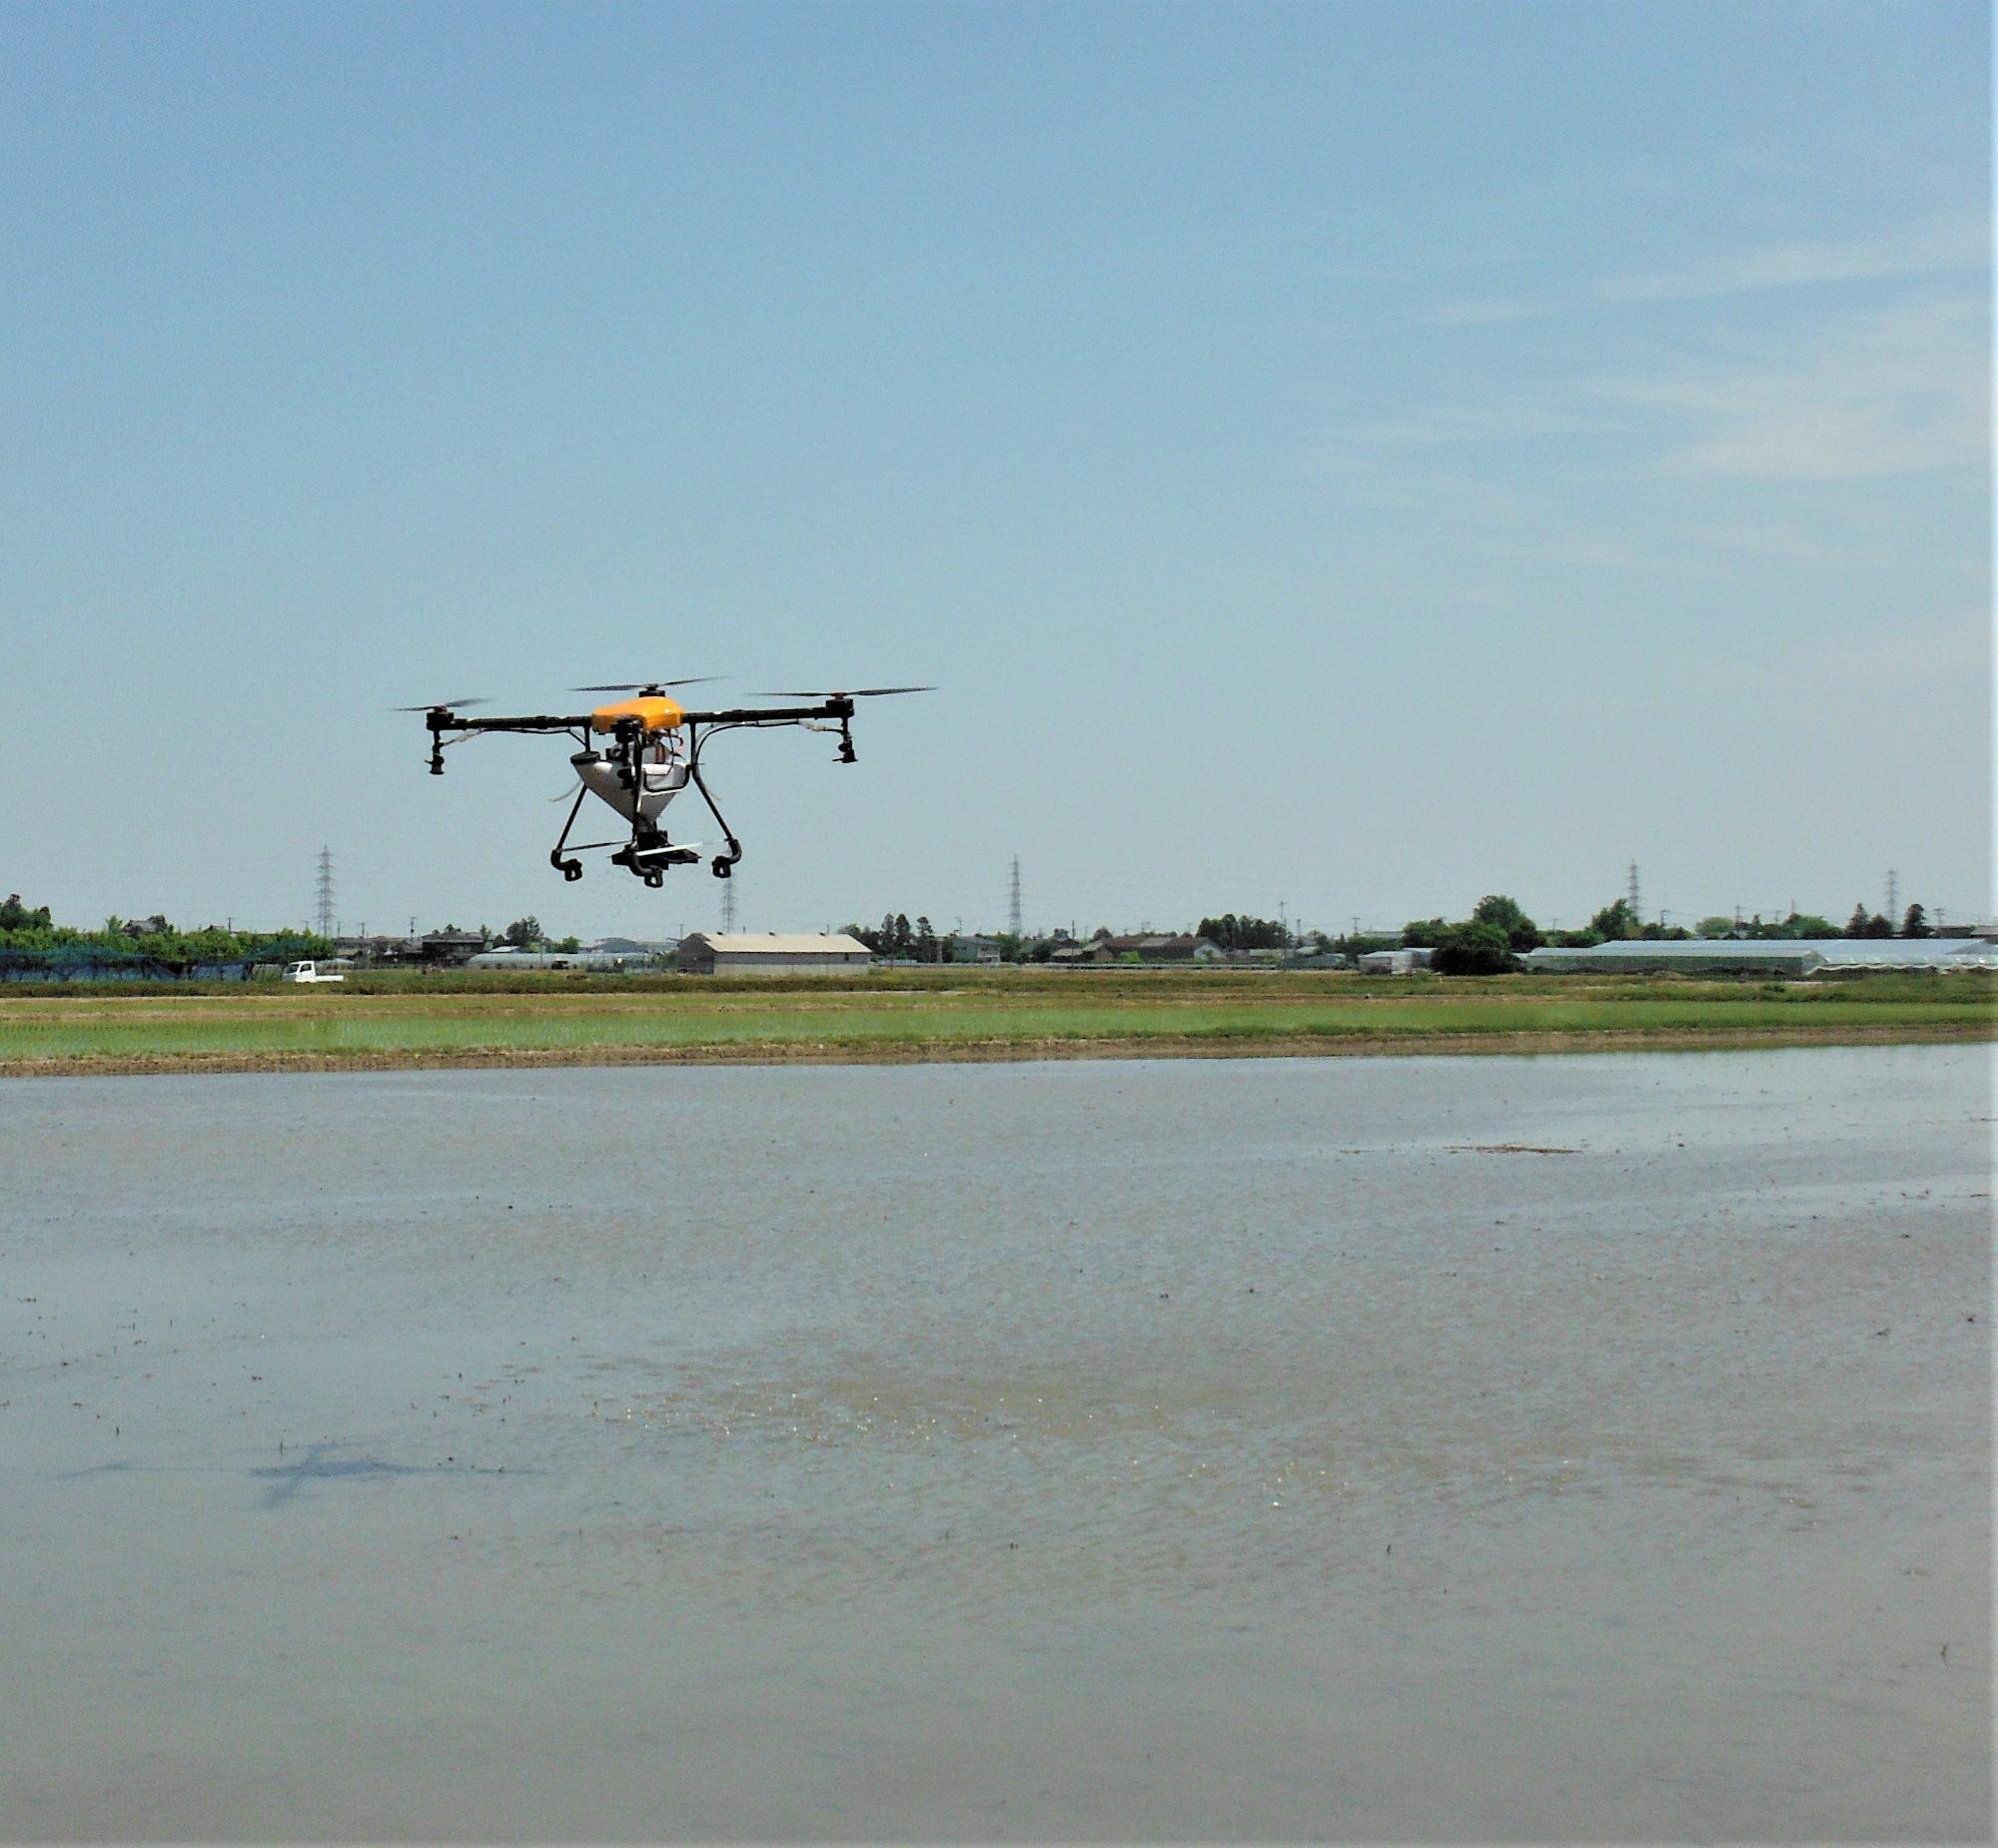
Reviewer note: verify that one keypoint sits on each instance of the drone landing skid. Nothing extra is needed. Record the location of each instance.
(648, 855)
(650, 861)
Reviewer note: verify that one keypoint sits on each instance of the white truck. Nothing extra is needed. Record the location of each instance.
(310, 972)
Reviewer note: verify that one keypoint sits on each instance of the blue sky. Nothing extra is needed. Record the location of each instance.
(1352, 456)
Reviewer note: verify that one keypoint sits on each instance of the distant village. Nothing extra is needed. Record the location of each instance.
(1496, 938)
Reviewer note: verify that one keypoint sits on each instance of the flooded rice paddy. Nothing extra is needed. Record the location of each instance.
(1471, 1448)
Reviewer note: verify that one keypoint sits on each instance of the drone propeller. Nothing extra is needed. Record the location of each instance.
(443, 705)
(853, 692)
(645, 686)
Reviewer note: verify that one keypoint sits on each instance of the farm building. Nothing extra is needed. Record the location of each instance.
(1727, 956)
(603, 961)
(770, 953)
(1772, 956)
(1393, 961)
(1150, 946)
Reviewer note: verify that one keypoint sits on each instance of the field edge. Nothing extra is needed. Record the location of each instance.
(1009, 1051)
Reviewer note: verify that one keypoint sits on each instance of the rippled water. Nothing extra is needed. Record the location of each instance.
(1559, 1448)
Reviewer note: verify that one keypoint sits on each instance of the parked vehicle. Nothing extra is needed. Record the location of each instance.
(310, 972)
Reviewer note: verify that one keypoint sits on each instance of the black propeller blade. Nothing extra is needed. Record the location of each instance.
(645, 686)
(443, 705)
(849, 693)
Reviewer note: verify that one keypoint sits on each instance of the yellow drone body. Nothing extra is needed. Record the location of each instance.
(653, 711)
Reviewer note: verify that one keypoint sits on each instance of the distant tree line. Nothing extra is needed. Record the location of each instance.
(31, 943)
(1498, 930)
(1230, 932)
(527, 934)
(897, 938)
(1487, 942)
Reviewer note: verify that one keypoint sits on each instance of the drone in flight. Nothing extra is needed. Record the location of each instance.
(639, 752)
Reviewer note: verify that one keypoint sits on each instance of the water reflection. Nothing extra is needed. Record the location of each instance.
(317, 1463)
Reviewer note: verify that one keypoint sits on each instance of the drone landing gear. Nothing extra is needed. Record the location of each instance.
(650, 854)
(570, 867)
(722, 867)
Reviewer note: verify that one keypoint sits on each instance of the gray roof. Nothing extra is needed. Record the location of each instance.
(1641, 957)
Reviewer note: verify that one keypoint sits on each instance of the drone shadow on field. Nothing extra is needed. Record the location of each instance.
(317, 1463)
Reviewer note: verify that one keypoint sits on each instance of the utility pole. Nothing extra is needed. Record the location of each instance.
(326, 891)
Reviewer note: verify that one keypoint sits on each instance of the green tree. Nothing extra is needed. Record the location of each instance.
(16, 916)
(1916, 923)
(1877, 926)
(1616, 923)
(1473, 947)
(522, 933)
(1716, 927)
(1230, 931)
(1521, 933)
(1855, 925)
(1423, 933)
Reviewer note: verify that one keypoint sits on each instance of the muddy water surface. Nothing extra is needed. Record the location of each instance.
(1473, 1449)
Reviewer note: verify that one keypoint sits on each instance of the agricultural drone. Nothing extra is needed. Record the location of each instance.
(650, 748)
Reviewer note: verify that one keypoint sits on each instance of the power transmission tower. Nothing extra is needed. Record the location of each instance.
(728, 906)
(1893, 897)
(326, 891)
(1637, 907)
(1013, 926)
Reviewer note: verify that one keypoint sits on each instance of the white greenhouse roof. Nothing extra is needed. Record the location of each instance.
(1831, 952)
(778, 943)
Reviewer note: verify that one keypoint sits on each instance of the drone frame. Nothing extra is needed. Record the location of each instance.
(649, 853)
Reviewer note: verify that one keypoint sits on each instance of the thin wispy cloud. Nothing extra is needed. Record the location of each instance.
(1904, 392)
(1498, 423)
(1937, 247)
